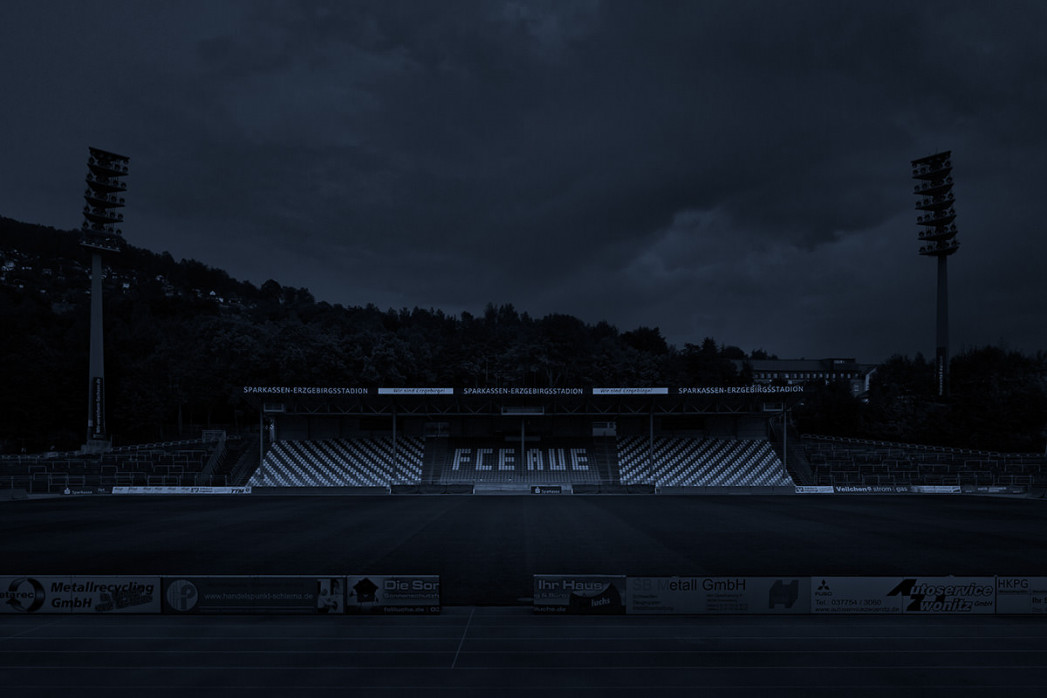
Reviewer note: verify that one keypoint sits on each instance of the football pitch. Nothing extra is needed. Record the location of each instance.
(486, 548)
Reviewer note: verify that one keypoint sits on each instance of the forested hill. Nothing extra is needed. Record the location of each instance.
(182, 338)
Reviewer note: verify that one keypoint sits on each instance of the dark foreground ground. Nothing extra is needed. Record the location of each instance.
(507, 651)
(487, 642)
(486, 548)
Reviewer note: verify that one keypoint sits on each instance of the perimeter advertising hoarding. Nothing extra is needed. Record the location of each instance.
(871, 489)
(79, 594)
(254, 594)
(921, 595)
(718, 595)
(171, 489)
(397, 594)
(994, 489)
(79, 491)
(1021, 595)
(579, 593)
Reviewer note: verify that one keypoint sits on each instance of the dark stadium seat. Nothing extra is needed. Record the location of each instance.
(700, 462)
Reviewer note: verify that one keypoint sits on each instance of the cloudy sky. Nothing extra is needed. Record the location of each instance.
(729, 169)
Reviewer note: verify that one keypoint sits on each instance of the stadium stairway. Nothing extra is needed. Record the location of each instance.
(605, 455)
(435, 459)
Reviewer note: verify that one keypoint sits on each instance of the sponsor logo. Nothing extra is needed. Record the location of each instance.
(24, 594)
(609, 600)
(172, 489)
(570, 585)
(416, 391)
(329, 597)
(723, 584)
(182, 595)
(402, 594)
(125, 597)
(942, 598)
(364, 590)
(783, 594)
(400, 584)
(1012, 583)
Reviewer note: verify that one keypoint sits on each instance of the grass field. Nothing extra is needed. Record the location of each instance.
(485, 548)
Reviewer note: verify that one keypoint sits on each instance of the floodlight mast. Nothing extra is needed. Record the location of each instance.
(934, 189)
(99, 235)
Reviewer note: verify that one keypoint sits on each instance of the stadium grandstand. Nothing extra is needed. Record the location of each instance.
(505, 440)
(586, 440)
(844, 462)
(205, 461)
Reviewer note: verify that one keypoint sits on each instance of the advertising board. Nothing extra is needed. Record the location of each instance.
(579, 593)
(79, 594)
(922, 595)
(1021, 595)
(171, 489)
(416, 391)
(814, 489)
(718, 595)
(630, 391)
(402, 594)
(253, 594)
(994, 489)
(864, 595)
(82, 490)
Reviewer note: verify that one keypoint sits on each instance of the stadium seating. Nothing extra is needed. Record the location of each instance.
(362, 462)
(486, 462)
(169, 463)
(698, 462)
(857, 462)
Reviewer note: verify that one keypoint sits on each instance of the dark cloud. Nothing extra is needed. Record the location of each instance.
(736, 169)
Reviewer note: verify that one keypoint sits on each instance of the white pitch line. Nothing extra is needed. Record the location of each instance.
(462, 641)
(33, 629)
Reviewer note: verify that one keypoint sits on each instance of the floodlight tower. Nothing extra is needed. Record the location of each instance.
(934, 189)
(99, 235)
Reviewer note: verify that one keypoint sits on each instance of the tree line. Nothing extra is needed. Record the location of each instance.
(176, 354)
(997, 402)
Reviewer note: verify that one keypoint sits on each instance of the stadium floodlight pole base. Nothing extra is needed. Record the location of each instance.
(97, 446)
